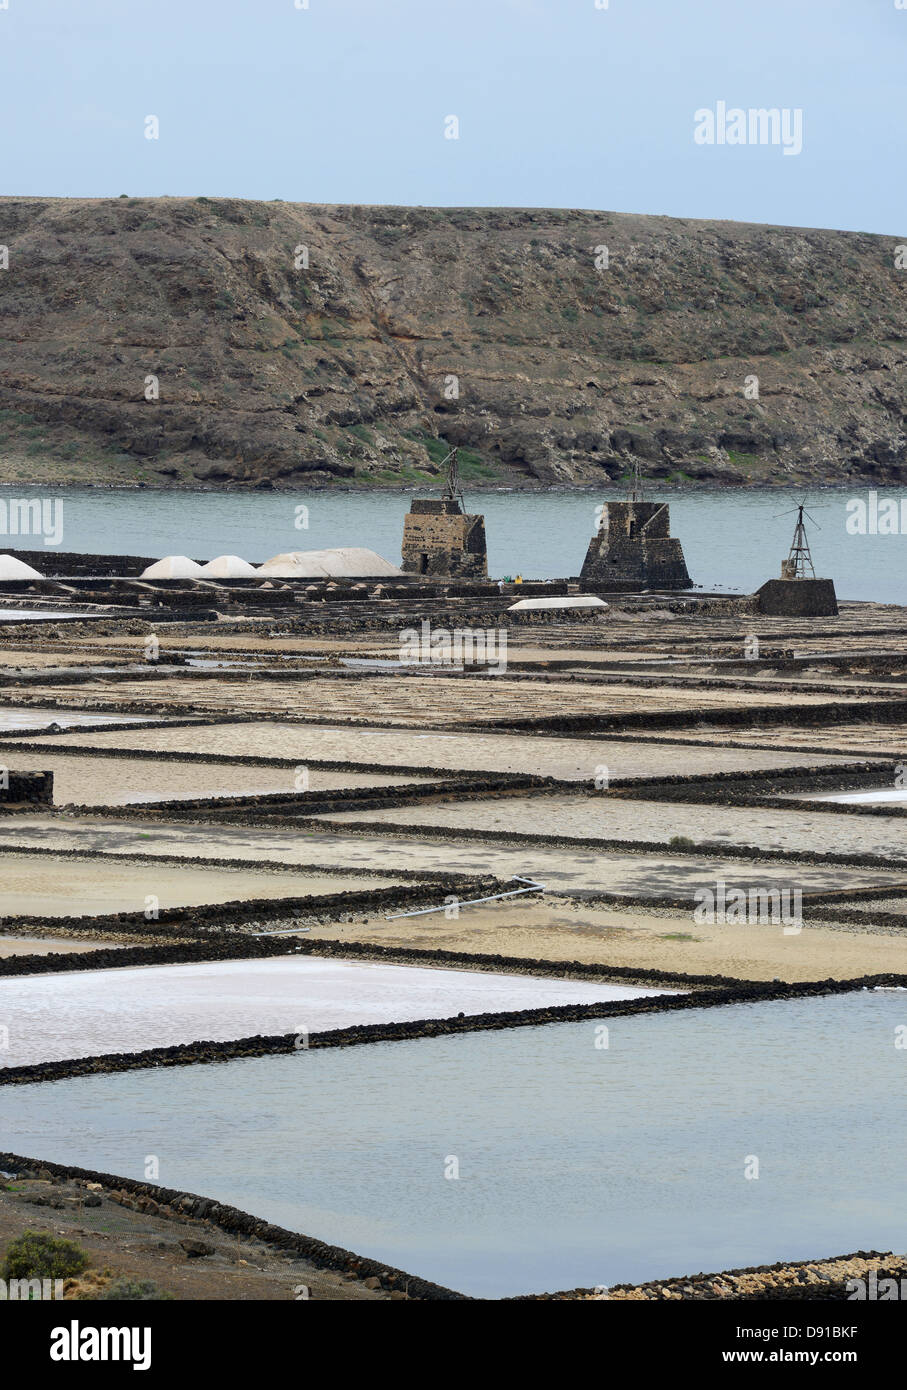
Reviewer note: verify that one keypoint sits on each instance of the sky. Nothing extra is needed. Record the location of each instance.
(559, 103)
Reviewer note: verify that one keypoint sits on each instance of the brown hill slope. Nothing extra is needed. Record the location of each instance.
(343, 371)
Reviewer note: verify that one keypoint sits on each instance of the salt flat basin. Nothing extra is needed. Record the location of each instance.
(578, 1165)
(15, 717)
(871, 798)
(576, 871)
(39, 614)
(574, 817)
(47, 885)
(119, 781)
(48, 945)
(573, 759)
(51, 1017)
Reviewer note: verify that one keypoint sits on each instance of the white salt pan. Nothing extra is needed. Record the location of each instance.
(51, 1017)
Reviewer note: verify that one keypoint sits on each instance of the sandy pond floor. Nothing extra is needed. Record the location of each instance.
(18, 717)
(419, 700)
(45, 945)
(570, 871)
(611, 818)
(856, 740)
(120, 781)
(549, 929)
(569, 759)
(43, 885)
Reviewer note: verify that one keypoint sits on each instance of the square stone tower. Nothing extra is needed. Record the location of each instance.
(440, 538)
(634, 549)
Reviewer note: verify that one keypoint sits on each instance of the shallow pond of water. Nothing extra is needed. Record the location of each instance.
(578, 1165)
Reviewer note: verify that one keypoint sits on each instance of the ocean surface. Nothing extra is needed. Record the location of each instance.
(534, 1159)
(733, 539)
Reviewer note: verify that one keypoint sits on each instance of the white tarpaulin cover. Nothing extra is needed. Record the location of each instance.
(580, 601)
(345, 562)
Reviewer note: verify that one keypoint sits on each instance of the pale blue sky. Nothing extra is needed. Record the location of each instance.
(560, 104)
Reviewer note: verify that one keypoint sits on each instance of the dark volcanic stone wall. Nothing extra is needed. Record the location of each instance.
(33, 787)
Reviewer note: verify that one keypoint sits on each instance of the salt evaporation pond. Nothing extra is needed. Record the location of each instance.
(578, 1165)
(873, 798)
(38, 615)
(19, 717)
(51, 1017)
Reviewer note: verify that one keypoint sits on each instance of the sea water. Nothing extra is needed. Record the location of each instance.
(733, 538)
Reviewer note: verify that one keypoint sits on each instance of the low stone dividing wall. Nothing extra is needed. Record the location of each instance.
(180, 953)
(763, 790)
(787, 1280)
(24, 736)
(227, 1218)
(852, 917)
(75, 562)
(261, 1045)
(811, 900)
(30, 788)
(727, 786)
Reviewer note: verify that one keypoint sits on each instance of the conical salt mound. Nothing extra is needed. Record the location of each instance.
(11, 568)
(228, 567)
(172, 567)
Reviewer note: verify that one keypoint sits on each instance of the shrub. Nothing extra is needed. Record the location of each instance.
(134, 1291)
(39, 1255)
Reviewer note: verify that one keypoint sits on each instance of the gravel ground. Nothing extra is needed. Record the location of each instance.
(807, 1278)
(124, 1243)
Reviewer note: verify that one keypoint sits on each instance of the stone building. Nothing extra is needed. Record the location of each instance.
(634, 549)
(797, 598)
(439, 538)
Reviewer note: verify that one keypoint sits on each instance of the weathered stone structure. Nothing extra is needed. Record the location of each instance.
(798, 593)
(35, 788)
(797, 598)
(634, 549)
(439, 538)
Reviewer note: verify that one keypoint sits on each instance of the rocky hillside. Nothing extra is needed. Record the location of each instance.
(503, 331)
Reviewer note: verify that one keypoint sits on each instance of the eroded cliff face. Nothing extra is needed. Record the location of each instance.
(294, 344)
